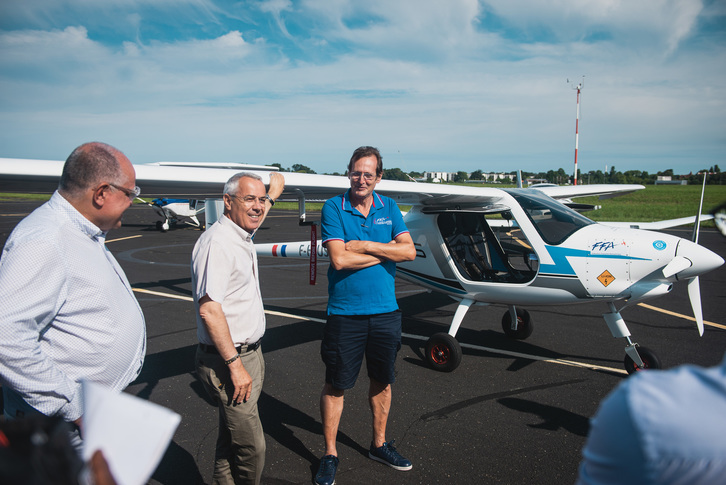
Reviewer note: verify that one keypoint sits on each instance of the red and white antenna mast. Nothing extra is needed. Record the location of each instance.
(577, 122)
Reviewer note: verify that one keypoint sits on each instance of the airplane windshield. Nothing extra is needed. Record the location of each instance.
(554, 221)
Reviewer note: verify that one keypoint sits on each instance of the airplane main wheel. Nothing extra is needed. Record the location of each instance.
(158, 225)
(165, 227)
(443, 352)
(524, 325)
(649, 358)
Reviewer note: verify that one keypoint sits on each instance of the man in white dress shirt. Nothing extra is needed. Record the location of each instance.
(67, 311)
(230, 324)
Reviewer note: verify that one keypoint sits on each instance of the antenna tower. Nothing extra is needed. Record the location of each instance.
(577, 122)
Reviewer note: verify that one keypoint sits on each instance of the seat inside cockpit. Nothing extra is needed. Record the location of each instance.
(484, 252)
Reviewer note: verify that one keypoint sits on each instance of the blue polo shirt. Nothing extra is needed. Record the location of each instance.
(371, 290)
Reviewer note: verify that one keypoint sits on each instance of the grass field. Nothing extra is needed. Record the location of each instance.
(654, 203)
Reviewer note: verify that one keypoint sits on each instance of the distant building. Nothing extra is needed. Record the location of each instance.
(438, 177)
(668, 180)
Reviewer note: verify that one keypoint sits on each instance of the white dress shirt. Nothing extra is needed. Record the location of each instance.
(67, 312)
(224, 267)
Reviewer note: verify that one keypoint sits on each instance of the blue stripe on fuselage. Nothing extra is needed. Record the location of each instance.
(562, 266)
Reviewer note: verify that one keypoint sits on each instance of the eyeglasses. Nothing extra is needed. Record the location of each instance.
(250, 199)
(130, 193)
(357, 175)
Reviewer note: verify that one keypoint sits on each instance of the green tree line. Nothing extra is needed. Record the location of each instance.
(715, 176)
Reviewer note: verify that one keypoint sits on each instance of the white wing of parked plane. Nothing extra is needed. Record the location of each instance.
(233, 165)
(659, 225)
(198, 180)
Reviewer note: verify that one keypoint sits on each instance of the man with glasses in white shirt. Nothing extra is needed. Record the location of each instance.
(231, 323)
(67, 311)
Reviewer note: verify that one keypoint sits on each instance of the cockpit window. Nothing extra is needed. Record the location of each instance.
(554, 221)
(488, 247)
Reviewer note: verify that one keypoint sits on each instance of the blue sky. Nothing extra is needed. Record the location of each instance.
(436, 85)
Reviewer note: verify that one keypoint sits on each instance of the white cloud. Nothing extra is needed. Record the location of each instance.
(417, 29)
(645, 22)
(424, 80)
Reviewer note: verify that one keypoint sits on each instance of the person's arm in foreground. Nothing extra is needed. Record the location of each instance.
(216, 325)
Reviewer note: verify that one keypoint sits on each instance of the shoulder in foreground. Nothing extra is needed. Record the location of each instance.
(43, 222)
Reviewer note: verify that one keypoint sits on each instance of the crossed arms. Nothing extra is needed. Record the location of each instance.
(354, 255)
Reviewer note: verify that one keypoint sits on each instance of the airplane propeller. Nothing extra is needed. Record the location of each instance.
(694, 287)
(694, 294)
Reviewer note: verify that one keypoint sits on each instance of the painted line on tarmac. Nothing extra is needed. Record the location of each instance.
(508, 353)
(158, 293)
(520, 355)
(123, 238)
(685, 317)
(297, 317)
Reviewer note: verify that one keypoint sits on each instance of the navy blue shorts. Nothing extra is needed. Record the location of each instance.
(347, 338)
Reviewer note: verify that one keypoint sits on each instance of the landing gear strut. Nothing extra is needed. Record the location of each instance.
(162, 226)
(636, 358)
(443, 352)
(648, 357)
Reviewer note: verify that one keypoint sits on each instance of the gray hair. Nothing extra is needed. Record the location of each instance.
(89, 165)
(232, 184)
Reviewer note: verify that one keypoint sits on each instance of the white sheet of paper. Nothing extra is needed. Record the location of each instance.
(132, 433)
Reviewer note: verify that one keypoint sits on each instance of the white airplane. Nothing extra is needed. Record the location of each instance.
(487, 246)
(522, 247)
(43, 175)
(175, 210)
(186, 210)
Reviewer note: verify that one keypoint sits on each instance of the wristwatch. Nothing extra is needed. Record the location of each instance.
(272, 201)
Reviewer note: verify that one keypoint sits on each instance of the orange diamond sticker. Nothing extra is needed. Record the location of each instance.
(606, 278)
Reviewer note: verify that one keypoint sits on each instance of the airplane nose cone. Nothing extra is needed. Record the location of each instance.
(703, 260)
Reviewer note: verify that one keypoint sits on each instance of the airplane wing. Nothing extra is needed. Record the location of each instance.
(155, 179)
(162, 179)
(603, 191)
(659, 225)
(200, 181)
(234, 165)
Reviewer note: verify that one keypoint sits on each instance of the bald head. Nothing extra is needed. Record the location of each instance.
(89, 165)
(99, 182)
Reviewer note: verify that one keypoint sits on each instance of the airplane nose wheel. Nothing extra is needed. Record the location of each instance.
(650, 361)
(443, 352)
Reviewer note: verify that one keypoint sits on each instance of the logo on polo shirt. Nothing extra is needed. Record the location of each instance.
(383, 221)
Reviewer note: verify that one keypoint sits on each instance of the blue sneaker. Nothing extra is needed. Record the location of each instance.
(388, 455)
(326, 470)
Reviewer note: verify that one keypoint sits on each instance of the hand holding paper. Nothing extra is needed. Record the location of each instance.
(132, 433)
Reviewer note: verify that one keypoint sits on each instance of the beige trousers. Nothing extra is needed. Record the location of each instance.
(240, 451)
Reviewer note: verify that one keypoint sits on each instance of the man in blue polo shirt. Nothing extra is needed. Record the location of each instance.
(365, 237)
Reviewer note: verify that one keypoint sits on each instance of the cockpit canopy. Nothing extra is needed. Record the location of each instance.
(554, 221)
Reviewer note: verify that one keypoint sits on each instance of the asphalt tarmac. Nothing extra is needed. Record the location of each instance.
(513, 412)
